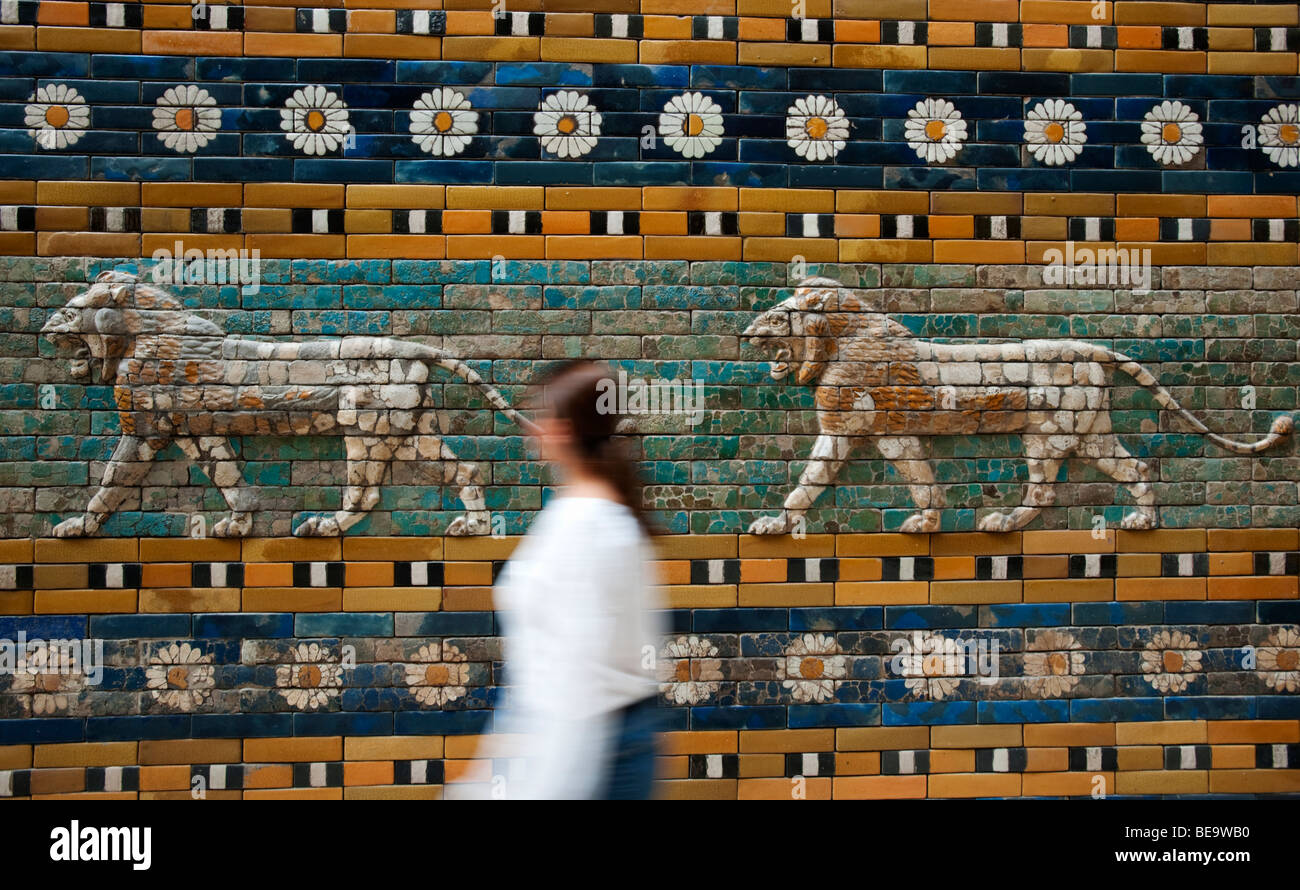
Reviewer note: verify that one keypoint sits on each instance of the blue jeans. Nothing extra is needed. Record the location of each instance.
(631, 770)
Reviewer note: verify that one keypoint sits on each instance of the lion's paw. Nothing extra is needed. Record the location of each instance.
(768, 525)
(318, 527)
(1139, 520)
(236, 525)
(995, 522)
(71, 528)
(469, 525)
(919, 523)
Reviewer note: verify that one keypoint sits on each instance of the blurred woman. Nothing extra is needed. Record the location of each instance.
(581, 626)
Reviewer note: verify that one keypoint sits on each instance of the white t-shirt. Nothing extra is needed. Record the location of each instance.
(582, 629)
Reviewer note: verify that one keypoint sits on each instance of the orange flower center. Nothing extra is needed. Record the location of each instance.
(47, 682)
(934, 665)
(816, 127)
(184, 118)
(934, 130)
(436, 675)
(1288, 133)
(309, 676)
(442, 121)
(1173, 661)
(56, 115)
(694, 125)
(1058, 663)
(1054, 132)
(812, 668)
(1288, 659)
(315, 120)
(567, 125)
(1171, 132)
(683, 672)
(178, 678)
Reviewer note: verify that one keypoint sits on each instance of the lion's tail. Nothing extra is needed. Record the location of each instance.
(1281, 428)
(446, 360)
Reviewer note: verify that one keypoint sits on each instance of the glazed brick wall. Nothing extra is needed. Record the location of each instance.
(1151, 663)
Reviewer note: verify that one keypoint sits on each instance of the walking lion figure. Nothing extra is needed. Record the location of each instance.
(877, 383)
(178, 377)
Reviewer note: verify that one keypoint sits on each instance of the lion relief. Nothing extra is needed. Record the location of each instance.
(178, 377)
(877, 383)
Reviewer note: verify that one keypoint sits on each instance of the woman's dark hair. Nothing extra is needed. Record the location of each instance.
(579, 392)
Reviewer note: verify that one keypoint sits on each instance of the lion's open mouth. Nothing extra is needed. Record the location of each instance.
(780, 364)
(79, 364)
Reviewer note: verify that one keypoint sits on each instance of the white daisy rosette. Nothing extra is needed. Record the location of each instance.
(180, 677)
(1279, 135)
(810, 666)
(315, 120)
(1171, 131)
(1055, 132)
(312, 679)
(816, 128)
(56, 116)
(442, 122)
(935, 130)
(567, 123)
(1171, 661)
(691, 124)
(184, 116)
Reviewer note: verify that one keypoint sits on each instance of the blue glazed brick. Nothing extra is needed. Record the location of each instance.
(669, 76)
(837, 618)
(1116, 710)
(450, 172)
(1277, 707)
(675, 719)
(753, 717)
(337, 624)
(1025, 615)
(727, 77)
(44, 627)
(1193, 612)
(343, 70)
(235, 726)
(141, 169)
(1210, 707)
(1118, 613)
(544, 74)
(41, 730)
(449, 73)
(442, 722)
(121, 729)
(337, 723)
(139, 627)
(143, 67)
(242, 70)
(44, 64)
(832, 715)
(439, 624)
(741, 620)
(924, 713)
(47, 166)
(1279, 612)
(1046, 711)
(927, 617)
(240, 625)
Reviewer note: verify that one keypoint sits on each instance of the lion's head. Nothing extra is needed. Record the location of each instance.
(99, 323)
(798, 331)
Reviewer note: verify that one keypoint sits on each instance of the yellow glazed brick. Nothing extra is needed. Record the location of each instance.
(752, 546)
(1066, 590)
(397, 197)
(975, 785)
(989, 736)
(786, 740)
(811, 788)
(1241, 14)
(952, 761)
(869, 593)
(697, 789)
(695, 546)
(879, 787)
(710, 742)
(1068, 542)
(184, 751)
(1140, 757)
(1174, 732)
(571, 49)
(1063, 784)
(293, 750)
(292, 599)
(882, 545)
(1134, 589)
(86, 754)
(70, 550)
(1253, 732)
(65, 602)
(792, 595)
(687, 52)
(392, 599)
(700, 596)
(860, 56)
(753, 766)
(1162, 782)
(1251, 63)
(1232, 757)
(1252, 539)
(975, 591)
(393, 792)
(189, 599)
(1069, 735)
(393, 748)
(1255, 781)
(882, 738)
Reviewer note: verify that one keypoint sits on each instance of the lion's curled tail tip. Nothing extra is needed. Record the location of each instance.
(1284, 425)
